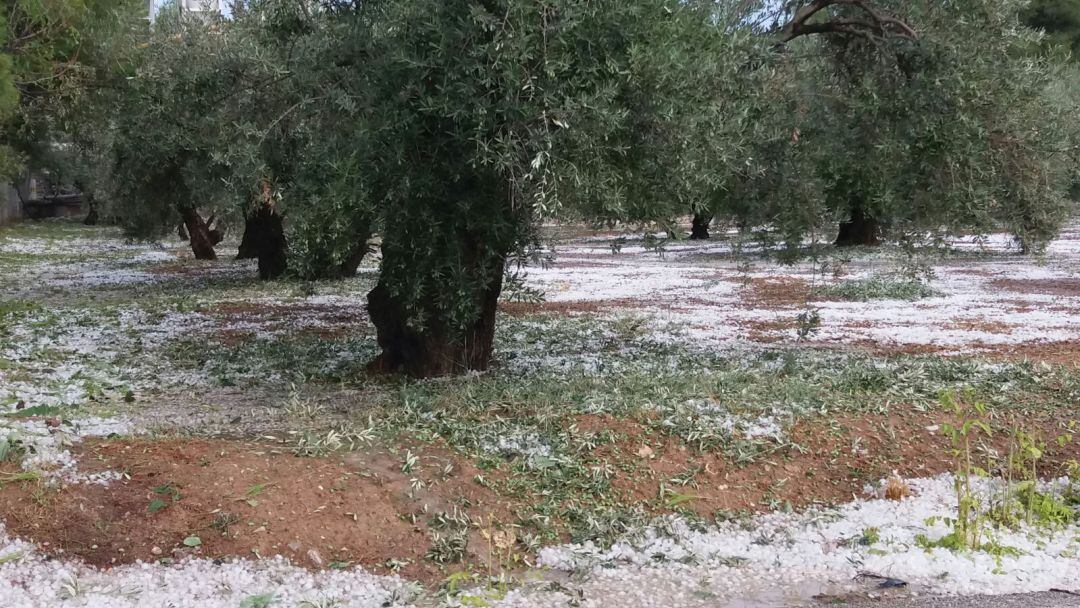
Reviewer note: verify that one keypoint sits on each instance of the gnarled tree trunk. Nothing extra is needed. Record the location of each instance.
(859, 229)
(92, 214)
(437, 349)
(264, 238)
(699, 230)
(351, 264)
(247, 249)
(200, 234)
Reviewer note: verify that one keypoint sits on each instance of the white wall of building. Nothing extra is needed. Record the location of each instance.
(201, 5)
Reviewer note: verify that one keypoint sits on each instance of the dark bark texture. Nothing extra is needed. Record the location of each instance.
(860, 229)
(92, 214)
(437, 349)
(699, 230)
(201, 234)
(351, 264)
(264, 238)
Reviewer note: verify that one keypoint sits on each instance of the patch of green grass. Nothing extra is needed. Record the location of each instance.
(14, 308)
(262, 600)
(955, 542)
(523, 425)
(11, 449)
(878, 288)
(281, 358)
(38, 410)
(25, 476)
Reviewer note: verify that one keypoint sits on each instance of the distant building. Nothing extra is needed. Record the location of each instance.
(201, 5)
(193, 6)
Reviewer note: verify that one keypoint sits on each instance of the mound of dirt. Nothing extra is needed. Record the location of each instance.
(245, 499)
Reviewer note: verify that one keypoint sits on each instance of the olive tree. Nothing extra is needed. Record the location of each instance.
(917, 116)
(468, 122)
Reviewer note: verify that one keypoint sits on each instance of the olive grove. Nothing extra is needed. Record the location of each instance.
(452, 129)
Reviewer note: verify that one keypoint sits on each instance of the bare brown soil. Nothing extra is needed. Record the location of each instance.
(981, 325)
(232, 312)
(1065, 352)
(773, 293)
(834, 461)
(1053, 287)
(245, 499)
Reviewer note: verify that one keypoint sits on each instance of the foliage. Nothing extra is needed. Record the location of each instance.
(453, 129)
(878, 288)
(51, 51)
(950, 130)
(173, 142)
(1059, 19)
(983, 502)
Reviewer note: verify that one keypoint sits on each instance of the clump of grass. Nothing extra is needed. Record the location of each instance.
(17, 307)
(11, 449)
(31, 476)
(448, 547)
(878, 288)
(870, 536)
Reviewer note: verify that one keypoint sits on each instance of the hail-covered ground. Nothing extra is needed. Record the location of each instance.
(642, 358)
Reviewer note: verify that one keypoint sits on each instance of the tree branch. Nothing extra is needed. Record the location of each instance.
(879, 25)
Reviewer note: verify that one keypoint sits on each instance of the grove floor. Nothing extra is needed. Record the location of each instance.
(175, 429)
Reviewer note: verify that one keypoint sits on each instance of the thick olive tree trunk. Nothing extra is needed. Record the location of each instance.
(351, 264)
(92, 215)
(860, 229)
(437, 349)
(699, 230)
(200, 234)
(264, 238)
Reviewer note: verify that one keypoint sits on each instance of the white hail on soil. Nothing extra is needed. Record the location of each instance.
(797, 555)
(45, 446)
(672, 563)
(707, 289)
(715, 416)
(29, 580)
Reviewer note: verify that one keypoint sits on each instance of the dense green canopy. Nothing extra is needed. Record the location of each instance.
(1059, 19)
(50, 51)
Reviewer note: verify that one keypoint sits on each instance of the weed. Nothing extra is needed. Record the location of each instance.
(970, 518)
(223, 520)
(808, 322)
(263, 600)
(878, 288)
(448, 547)
(12, 449)
(870, 536)
(1017, 498)
(25, 476)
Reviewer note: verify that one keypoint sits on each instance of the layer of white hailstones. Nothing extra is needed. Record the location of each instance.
(29, 580)
(60, 360)
(46, 446)
(797, 555)
(701, 287)
(715, 416)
